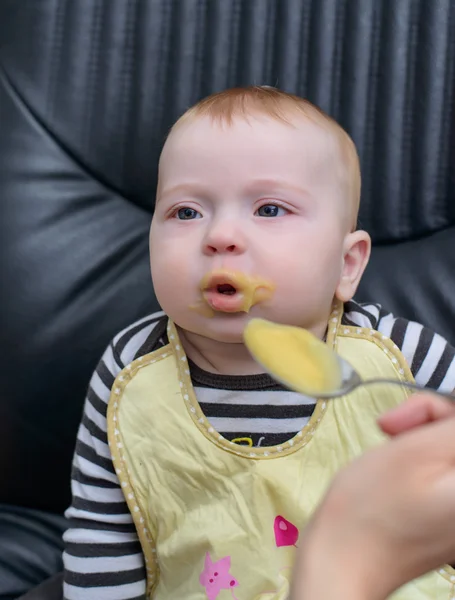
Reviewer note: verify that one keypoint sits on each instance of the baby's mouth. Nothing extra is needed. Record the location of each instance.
(233, 291)
(222, 293)
(226, 288)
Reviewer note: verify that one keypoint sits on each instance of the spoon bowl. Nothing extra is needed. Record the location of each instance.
(305, 364)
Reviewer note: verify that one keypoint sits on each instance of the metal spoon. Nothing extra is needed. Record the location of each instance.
(305, 364)
(351, 380)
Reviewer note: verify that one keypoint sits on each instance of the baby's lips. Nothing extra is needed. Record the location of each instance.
(247, 291)
(214, 280)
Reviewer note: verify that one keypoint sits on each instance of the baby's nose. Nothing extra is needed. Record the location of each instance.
(225, 238)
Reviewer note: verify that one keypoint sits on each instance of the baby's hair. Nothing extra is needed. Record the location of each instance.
(222, 107)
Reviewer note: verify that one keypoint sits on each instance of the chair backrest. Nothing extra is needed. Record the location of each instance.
(88, 91)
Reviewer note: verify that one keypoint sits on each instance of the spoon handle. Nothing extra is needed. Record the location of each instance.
(408, 384)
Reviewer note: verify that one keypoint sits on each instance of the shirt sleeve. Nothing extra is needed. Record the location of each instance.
(102, 558)
(430, 357)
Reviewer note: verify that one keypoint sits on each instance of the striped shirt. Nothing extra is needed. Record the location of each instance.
(103, 558)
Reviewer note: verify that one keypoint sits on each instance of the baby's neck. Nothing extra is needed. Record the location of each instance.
(218, 357)
(225, 358)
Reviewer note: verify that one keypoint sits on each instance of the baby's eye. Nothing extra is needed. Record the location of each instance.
(271, 210)
(186, 214)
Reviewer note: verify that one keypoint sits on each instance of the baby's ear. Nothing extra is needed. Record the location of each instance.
(356, 253)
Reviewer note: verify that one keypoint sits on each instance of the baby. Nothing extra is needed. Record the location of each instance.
(194, 471)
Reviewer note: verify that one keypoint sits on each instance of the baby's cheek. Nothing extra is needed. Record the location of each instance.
(173, 284)
(169, 280)
(168, 260)
(294, 276)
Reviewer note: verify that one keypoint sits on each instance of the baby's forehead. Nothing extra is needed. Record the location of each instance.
(294, 131)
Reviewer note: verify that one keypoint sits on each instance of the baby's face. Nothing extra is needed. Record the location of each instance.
(261, 198)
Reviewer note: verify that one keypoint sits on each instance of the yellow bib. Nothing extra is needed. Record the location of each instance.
(221, 521)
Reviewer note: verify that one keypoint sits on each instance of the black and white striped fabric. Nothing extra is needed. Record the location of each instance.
(103, 558)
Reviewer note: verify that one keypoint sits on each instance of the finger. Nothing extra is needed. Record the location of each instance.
(418, 410)
(437, 436)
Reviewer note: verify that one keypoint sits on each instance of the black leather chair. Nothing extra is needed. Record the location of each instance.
(88, 90)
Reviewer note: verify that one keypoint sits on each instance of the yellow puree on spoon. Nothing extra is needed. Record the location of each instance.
(293, 356)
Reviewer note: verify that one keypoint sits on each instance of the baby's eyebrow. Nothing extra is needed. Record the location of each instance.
(262, 185)
(193, 189)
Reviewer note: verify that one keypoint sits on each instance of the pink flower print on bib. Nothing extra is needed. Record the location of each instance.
(216, 577)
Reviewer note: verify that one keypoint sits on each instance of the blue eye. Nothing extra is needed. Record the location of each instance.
(187, 214)
(271, 210)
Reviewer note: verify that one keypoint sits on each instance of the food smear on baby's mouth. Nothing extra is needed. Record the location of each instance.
(230, 291)
(294, 356)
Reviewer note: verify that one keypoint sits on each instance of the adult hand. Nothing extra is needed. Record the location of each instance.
(389, 517)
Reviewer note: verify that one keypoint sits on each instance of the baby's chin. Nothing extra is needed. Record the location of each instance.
(226, 328)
